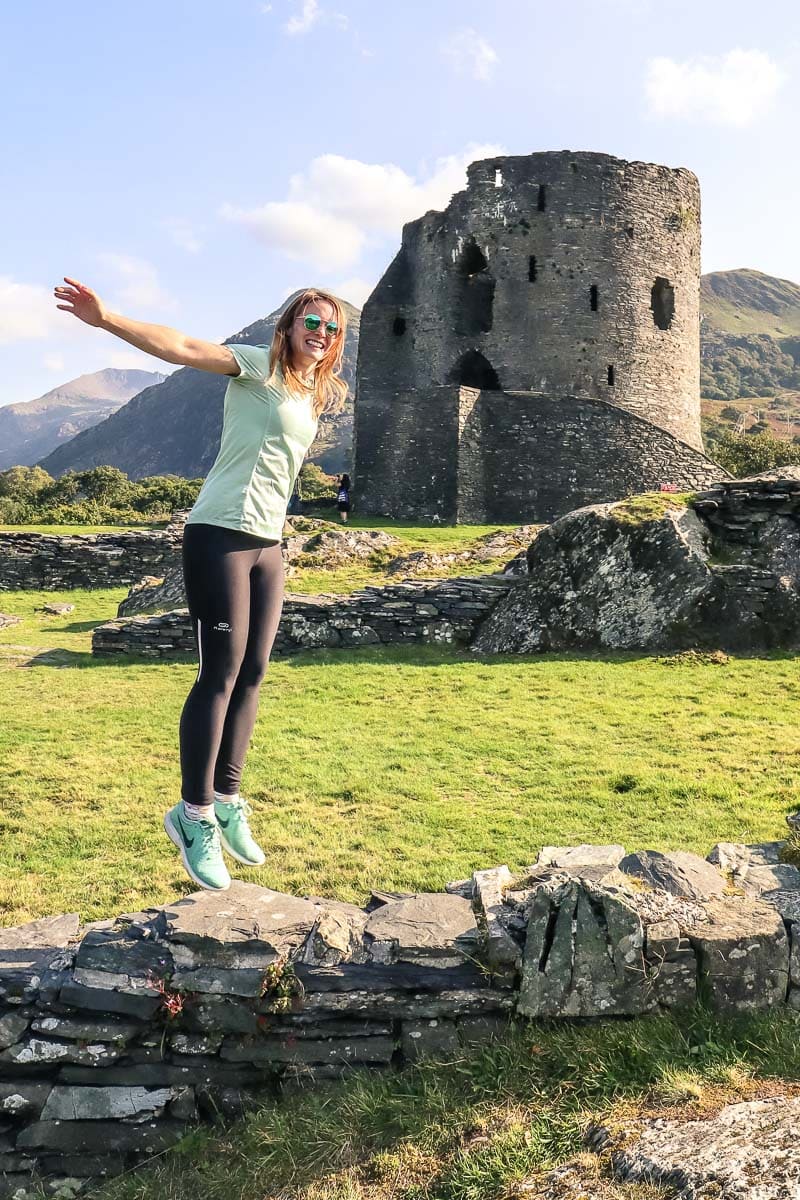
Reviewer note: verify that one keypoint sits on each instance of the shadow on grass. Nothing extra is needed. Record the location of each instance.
(420, 655)
(75, 627)
(84, 658)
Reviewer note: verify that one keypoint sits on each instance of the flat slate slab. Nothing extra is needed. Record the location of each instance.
(574, 858)
(679, 873)
(246, 927)
(28, 952)
(747, 1152)
(425, 927)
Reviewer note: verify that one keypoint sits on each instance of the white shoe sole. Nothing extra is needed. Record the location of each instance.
(247, 862)
(176, 838)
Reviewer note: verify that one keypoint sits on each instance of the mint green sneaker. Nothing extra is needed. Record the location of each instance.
(198, 842)
(235, 833)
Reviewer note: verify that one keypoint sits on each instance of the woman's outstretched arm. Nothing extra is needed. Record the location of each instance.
(159, 340)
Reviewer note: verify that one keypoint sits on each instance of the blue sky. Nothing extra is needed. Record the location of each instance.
(196, 161)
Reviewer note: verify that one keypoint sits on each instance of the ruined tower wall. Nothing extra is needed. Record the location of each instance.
(457, 454)
(551, 228)
(570, 275)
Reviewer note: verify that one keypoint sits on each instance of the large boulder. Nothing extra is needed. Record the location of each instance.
(746, 1152)
(658, 573)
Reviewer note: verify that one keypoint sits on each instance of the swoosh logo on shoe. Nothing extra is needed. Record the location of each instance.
(187, 840)
(223, 823)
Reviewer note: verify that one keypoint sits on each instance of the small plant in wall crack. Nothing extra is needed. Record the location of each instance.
(172, 1001)
(280, 987)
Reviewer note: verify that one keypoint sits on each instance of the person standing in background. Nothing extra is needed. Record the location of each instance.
(343, 498)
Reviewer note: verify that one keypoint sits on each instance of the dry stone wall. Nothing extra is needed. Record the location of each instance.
(472, 456)
(47, 562)
(116, 1037)
(441, 611)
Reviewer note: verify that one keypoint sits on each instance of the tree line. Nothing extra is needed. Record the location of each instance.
(106, 496)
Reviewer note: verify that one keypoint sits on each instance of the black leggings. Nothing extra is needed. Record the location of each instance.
(234, 588)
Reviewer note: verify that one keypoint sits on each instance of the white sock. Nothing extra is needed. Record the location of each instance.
(220, 799)
(199, 812)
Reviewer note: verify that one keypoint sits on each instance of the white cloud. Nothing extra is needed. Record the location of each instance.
(470, 54)
(26, 311)
(354, 290)
(301, 232)
(137, 360)
(338, 206)
(307, 18)
(53, 362)
(137, 282)
(183, 234)
(310, 15)
(731, 89)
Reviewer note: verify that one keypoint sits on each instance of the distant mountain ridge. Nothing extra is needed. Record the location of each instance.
(748, 302)
(749, 335)
(174, 427)
(33, 428)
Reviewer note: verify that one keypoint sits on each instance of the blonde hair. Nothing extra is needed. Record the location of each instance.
(329, 387)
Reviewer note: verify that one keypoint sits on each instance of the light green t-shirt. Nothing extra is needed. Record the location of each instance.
(266, 431)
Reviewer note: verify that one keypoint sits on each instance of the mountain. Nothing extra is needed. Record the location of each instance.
(33, 428)
(174, 427)
(750, 335)
(749, 302)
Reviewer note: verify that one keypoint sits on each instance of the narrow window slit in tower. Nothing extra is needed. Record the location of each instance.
(610, 376)
(532, 268)
(593, 297)
(541, 199)
(399, 326)
(662, 302)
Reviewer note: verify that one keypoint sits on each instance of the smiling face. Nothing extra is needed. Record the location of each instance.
(308, 347)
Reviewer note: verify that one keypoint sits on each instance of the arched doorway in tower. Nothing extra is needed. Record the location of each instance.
(474, 370)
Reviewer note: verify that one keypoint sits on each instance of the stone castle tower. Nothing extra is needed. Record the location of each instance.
(535, 347)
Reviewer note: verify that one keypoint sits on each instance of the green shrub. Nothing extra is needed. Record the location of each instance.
(747, 454)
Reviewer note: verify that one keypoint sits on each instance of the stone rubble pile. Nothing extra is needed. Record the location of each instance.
(115, 1037)
(499, 544)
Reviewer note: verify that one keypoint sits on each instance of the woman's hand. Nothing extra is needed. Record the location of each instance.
(81, 301)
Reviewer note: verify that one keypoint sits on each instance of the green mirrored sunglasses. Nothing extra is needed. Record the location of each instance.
(313, 323)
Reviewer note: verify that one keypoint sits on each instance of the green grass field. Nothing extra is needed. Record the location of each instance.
(398, 767)
(403, 768)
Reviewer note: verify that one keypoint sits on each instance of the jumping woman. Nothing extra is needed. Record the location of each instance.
(232, 563)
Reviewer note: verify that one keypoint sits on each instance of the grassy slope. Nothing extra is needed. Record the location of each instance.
(746, 301)
(749, 302)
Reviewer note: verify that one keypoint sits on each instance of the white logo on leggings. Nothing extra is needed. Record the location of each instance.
(223, 627)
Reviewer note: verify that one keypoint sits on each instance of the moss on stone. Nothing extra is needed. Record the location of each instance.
(649, 506)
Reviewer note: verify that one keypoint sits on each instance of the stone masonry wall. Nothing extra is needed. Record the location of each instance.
(44, 562)
(515, 456)
(118, 1036)
(443, 611)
